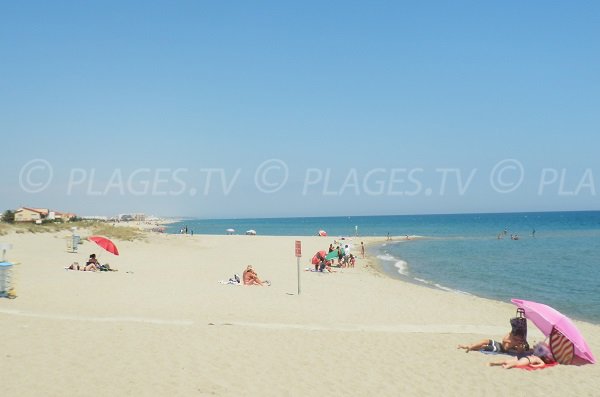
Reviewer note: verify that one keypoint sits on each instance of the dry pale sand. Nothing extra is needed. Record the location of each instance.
(163, 325)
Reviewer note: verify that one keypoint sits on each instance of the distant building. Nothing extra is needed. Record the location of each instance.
(65, 216)
(140, 217)
(125, 217)
(44, 211)
(95, 217)
(25, 214)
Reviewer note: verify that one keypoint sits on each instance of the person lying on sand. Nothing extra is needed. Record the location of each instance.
(540, 357)
(510, 343)
(91, 267)
(87, 268)
(104, 268)
(251, 278)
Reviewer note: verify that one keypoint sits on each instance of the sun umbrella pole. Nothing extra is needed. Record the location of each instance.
(298, 253)
(298, 266)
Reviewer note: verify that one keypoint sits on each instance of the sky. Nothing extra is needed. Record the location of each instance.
(275, 109)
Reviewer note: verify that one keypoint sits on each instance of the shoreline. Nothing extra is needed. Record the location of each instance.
(397, 275)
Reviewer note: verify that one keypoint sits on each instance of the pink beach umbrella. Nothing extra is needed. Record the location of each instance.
(322, 233)
(566, 342)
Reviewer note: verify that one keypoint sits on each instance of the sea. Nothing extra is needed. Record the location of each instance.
(552, 257)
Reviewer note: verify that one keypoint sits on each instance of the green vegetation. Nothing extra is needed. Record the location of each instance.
(95, 227)
(118, 233)
(8, 216)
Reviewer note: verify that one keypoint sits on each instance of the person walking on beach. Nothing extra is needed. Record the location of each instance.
(362, 249)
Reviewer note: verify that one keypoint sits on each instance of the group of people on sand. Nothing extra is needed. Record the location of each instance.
(516, 346)
(92, 265)
(345, 257)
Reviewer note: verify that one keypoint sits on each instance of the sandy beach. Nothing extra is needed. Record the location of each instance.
(164, 325)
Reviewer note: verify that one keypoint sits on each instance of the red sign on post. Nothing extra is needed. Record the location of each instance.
(298, 248)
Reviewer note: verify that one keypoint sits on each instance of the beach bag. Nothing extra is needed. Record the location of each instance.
(519, 324)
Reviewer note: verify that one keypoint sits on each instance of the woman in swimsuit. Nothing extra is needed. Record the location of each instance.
(251, 278)
(539, 358)
(512, 362)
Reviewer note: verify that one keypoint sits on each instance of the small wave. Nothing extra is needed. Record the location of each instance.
(423, 281)
(402, 267)
(387, 257)
(399, 264)
(439, 286)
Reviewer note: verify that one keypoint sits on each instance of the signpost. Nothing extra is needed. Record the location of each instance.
(298, 250)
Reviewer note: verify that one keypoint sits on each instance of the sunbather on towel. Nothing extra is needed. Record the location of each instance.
(510, 343)
(92, 260)
(93, 264)
(540, 357)
(88, 268)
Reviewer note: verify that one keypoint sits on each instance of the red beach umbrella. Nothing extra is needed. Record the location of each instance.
(105, 243)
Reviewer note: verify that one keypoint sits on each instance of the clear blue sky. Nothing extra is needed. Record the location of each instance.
(133, 105)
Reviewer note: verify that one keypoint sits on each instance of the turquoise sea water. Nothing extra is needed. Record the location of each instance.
(558, 264)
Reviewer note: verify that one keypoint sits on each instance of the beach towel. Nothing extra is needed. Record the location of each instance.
(235, 280)
(310, 269)
(532, 368)
(79, 270)
(228, 282)
(514, 354)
